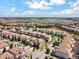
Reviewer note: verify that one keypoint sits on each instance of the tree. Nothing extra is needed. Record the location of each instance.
(37, 58)
(47, 50)
(52, 53)
(11, 45)
(4, 50)
(46, 57)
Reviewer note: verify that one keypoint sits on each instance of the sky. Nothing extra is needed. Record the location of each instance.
(39, 8)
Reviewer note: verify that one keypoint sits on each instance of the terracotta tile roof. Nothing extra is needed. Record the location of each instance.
(25, 37)
(3, 44)
(6, 32)
(33, 38)
(6, 55)
(41, 41)
(16, 50)
(67, 45)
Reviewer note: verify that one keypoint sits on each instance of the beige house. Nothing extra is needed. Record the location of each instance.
(3, 45)
(14, 53)
(6, 55)
(41, 43)
(65, 48)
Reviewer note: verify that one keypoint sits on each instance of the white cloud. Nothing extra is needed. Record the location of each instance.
(70, 3)
(43, 4)
(38, 5)
(76, 4)
(30, 12)
(13, 9)
(76, 9)
(73, 10)
(57, 2)
(67, 12)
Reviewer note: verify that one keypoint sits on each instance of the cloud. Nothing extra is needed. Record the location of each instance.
(26, 13)
(57, 2)
(67, 12)
(72, 11)
(29, 12)
(13, 9)
(76, 4)
(43, 4)
(38, 5)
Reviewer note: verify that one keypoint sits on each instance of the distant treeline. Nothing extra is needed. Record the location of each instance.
(34, 18)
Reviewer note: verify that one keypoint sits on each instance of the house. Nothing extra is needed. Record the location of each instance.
(12, 30)
(41, 43)
(33, 41)
(28, 38)
(18, 52)
(14, 53)
(65, 49)
(23, 38)
(0, 29)
(11, 35)
(3, 46)
(17, 37)
(63, 53)
(6, 55)
(5, 33)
